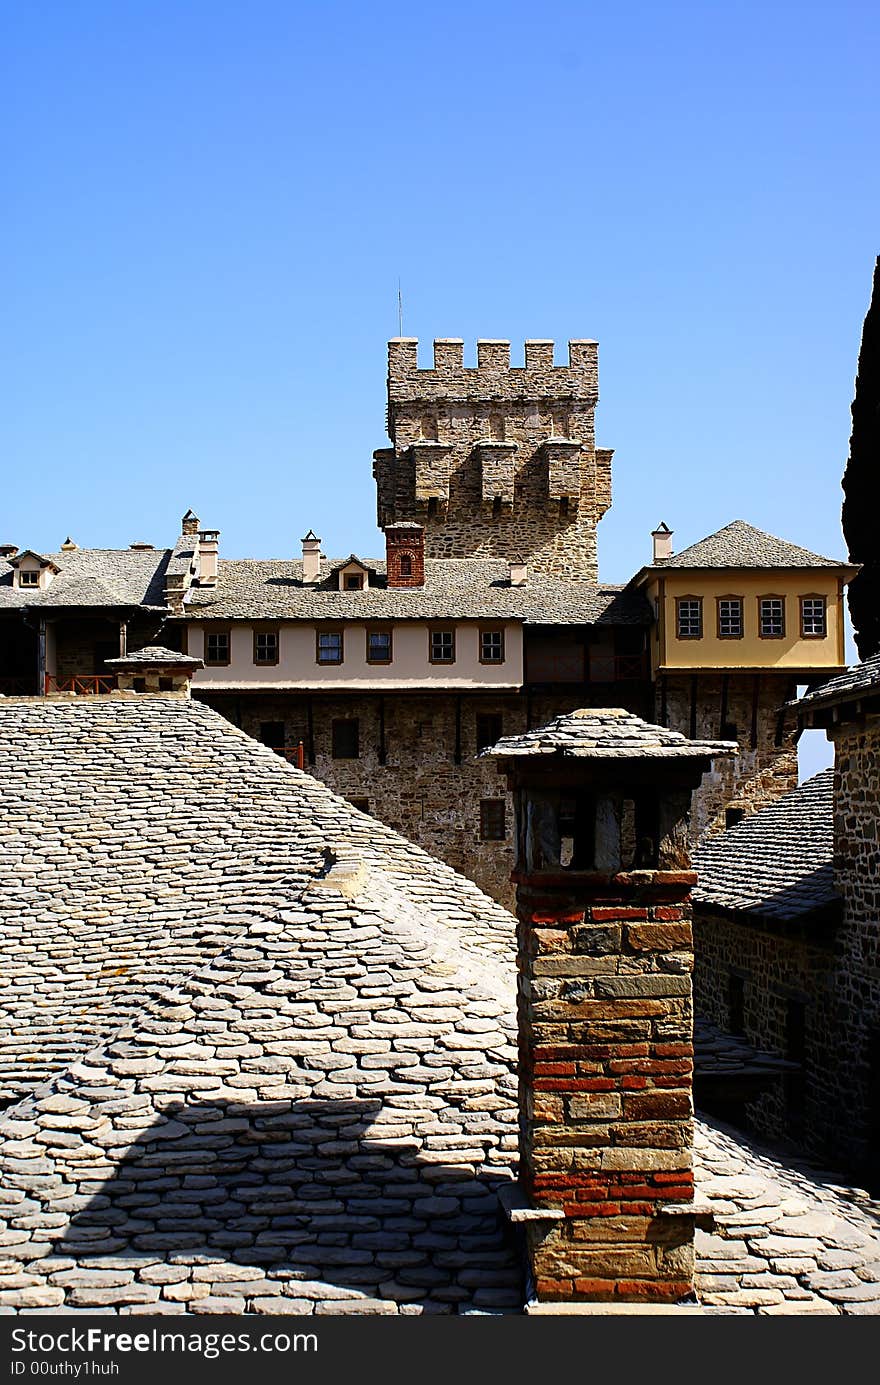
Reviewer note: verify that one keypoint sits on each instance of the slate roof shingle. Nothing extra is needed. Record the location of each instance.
(741, 545)
(455, 588)
(606, 732)
(861, 679)
(95, 577)
(776, 864)
(155, 654)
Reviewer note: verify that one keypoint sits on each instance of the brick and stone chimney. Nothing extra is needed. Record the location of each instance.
(311, 557)
(604, 1005)
(519, 572)
(405, 555)
(190, 523)
(662, 537)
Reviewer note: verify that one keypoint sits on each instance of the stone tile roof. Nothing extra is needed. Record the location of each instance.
(155, 654)
(861, 679)
(788, 1237)
(598, 733)
(741, 545)
(136, 834)
(777, 863)
(95, 577)
(455, 588)
(289, 1081)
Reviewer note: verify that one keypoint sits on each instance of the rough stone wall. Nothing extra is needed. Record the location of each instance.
(419, 790)
(539, 496)
(606, 1060)
(711, 706)
(857, 977)
(776, 968)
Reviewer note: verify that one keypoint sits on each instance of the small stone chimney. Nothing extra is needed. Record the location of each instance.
(662, 537)
(405, 555)
(209, 556)
(190, 523)
(69, 546)
(155, 669)
(604, 1006)
(311, 557)
(519, 572)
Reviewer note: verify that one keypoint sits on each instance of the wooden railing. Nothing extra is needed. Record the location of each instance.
(293, 754)
(85, 684)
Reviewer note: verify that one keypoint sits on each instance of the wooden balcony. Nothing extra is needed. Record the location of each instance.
(83, 684)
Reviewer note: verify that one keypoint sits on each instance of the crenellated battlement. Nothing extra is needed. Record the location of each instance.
(493, 375)
(495, 460)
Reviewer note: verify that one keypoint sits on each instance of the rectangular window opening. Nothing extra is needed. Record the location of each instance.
(378, 646)
(492, 820)
(689, 617)
(345, 736)
(442, 646)
(491, 646)
(217, 647)
(329, 647)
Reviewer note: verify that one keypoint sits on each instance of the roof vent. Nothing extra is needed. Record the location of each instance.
(662, 537)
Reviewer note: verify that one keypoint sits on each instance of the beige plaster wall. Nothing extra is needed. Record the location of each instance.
(410, 667)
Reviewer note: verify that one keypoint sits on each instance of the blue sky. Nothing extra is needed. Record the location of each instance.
(208, 206)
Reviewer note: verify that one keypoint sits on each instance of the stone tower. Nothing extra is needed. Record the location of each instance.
(496, 461)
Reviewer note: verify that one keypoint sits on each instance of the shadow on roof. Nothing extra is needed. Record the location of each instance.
(303, 1191)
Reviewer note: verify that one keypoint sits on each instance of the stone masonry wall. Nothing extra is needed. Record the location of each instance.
(766, 767)
(605, 1026)
(474, 454)
(775, 969)
(857, 978)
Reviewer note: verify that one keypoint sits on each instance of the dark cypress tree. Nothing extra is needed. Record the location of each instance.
(861, 485)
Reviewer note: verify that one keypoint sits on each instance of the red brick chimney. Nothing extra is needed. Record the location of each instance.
(405, 555)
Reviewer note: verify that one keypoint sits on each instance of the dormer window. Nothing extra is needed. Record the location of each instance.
(32, 570)
(352, 575)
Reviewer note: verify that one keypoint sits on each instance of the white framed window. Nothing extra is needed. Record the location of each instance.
(730, 618)
(689, 617)
(771, 617)
(814, 620)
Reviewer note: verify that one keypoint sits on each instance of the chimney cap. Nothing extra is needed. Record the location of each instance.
(69, 546)
(310, 537)
(662, 528)
(138, 545)
(407, 524)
